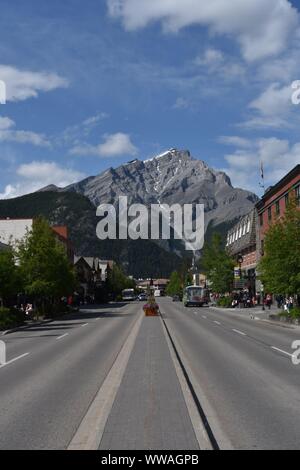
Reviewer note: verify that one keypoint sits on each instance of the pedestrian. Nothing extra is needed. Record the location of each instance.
(269, 301)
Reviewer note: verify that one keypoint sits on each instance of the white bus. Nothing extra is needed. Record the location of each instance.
(128, 295)
(195, 296)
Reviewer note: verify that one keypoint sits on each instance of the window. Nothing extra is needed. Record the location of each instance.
(261, 220)
(297, 191)
(270, 214)
(277, 208)
(287, 199)
(248, 226)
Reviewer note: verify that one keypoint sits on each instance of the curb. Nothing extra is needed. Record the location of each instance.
(288, 326)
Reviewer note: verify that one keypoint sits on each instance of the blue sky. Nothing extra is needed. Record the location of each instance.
(94, 84)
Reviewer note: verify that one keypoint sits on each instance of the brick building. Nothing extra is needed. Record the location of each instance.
(273, 204)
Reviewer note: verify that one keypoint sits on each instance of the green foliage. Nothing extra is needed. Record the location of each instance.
(225, 302)
(46, 271)
(117, 281)
(10, 279)
(218, 266)
(280, 267)
(188, 280)
(175, 285)
(141, 258)
(10, 318)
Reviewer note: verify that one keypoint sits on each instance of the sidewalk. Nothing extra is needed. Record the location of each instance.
(254, 311)
(149, 411)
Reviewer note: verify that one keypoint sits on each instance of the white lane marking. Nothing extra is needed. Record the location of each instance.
(14, 360)
(89, 434)
(203, 316)
(85, 324)
(217, 322)
(63, 336)
(239, 332)
(280, 350)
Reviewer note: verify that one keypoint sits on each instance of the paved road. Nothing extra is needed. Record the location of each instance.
(253, 388)
(243, 366)
(45, 394)
(150, 411)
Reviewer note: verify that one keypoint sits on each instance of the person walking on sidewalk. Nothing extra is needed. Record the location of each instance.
(269, 301)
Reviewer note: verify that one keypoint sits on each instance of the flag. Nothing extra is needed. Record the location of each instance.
(262, 170)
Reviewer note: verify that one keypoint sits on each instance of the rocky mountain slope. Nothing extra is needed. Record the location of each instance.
(172, 177)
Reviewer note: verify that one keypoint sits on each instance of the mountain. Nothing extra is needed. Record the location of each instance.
(172, 177)
(78, 213)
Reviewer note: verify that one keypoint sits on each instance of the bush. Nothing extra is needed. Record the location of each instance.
(10, 318)
(225, 302)
(295, 312)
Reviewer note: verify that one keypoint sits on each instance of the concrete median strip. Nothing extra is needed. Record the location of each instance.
(208, 430)
(91, 429)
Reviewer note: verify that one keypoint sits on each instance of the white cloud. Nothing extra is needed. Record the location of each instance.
(273, 108)
(261, 27)
(38, 174)
(235, 141)
(274, 100)
(211, 58)
(277, 155)
(24, 84)
(8, 134)
(181, 103)
(114, 145)
(6, 123)
(72, 134)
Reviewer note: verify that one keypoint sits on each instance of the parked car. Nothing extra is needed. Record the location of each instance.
(142, 297)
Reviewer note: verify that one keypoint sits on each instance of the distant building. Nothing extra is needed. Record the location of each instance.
(158, 284)
(241, 243)
(14, 230)
(92, 273)
(273, 204)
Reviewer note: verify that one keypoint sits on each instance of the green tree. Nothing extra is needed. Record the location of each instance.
(46, 271)
(118, 281)
(218, 265)
(10, 279)
(280, 266)
(175, 285)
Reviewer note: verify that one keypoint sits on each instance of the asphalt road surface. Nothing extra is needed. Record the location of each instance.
(245, 370)
(242, 366)
(45, 394)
